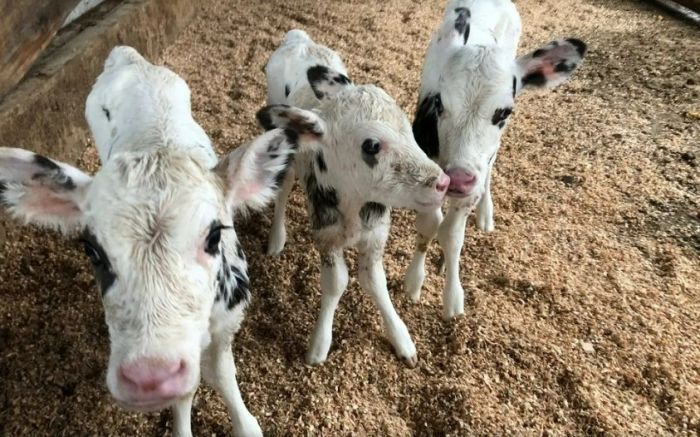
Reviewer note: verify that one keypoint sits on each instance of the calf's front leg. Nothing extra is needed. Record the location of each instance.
(219, 370)
(373, 280)
(182, 411)
(451, 238)
(427, 224)
(484, 208)
(334, 280)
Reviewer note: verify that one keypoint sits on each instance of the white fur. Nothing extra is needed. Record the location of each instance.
(150, 208)
(474, 80)
(402, 176)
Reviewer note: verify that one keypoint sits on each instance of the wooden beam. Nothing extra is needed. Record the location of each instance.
(45, 112)
(26, 28)
(686, 12)
(691, 4)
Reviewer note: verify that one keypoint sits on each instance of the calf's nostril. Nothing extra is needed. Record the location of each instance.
(443, 183)
(461, 181)
(150, 375)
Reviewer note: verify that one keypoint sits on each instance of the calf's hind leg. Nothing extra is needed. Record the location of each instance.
(427, 224)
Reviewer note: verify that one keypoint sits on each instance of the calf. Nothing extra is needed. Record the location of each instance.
(157, 225)
(470, 80)
(369, 163)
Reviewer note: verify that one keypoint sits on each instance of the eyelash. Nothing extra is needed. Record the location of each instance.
(211, 244)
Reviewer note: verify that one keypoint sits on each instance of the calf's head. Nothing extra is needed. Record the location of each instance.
(368, 149)
(468, 94)
(134, 102)
(157, 227)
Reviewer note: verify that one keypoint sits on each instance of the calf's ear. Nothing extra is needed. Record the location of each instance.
(254, 172)
(550, 65)
(42, 191)
(307, 124)
(326, 82)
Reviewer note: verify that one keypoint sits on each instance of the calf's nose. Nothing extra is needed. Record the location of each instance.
(461, 182)
(154, 378)
(443, 183)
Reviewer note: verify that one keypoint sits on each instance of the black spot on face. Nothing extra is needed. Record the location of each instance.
(370, 150)
(371, 212)
(462, 22)
(500, 116)
(425, 126)
(321, 162)
(241, 291)
(233, 284)
(323, 202)
(286, 91)
(100, 262)
(106, 112)
(536, 79)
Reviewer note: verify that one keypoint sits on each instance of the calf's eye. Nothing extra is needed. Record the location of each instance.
(213, 240)
(92, 253)
(211, 245)
(371, 147)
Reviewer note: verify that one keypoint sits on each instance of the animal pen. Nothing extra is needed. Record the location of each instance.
(582, 308)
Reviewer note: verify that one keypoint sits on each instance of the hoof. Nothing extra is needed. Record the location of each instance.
(410, 362)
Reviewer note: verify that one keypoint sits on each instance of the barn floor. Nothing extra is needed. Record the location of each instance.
(584, 306)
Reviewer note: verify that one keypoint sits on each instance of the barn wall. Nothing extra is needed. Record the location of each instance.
(26, 28)
(45, 112)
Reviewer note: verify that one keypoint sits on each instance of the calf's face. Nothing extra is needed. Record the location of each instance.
(368, 149)
(461, 118)
(157, 227)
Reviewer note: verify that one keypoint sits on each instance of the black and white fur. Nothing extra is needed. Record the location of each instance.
(471, 77)
(157, 224)
(369, 163)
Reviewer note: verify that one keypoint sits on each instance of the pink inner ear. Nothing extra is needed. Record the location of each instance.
(547, 69)
(42, 201)
(246, 191)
